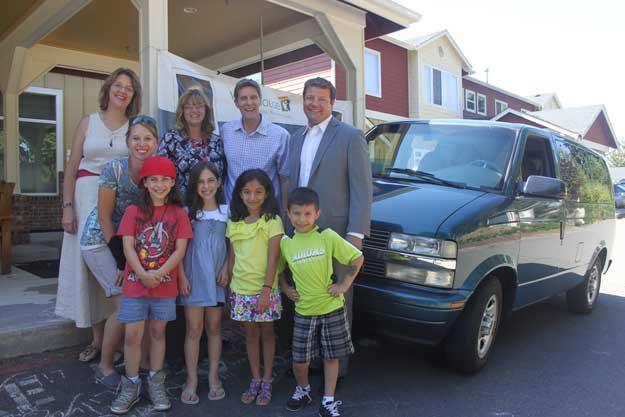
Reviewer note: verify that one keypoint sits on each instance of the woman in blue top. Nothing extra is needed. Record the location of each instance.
(101, 248)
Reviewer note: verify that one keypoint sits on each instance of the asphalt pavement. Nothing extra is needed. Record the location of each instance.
(546, 362)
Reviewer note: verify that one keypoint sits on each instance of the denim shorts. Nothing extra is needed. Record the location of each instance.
(132, 310)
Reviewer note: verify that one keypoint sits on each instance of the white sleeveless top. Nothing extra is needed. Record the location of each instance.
(102, 144)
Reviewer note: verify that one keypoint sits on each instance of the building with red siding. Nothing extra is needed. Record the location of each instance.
(420, 78)
(484, 101)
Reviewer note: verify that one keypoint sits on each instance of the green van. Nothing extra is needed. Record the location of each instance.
(472, 220)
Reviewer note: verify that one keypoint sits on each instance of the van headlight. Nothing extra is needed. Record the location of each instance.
(437, 278)
(423, 245)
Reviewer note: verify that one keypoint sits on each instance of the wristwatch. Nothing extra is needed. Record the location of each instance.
(67, 204)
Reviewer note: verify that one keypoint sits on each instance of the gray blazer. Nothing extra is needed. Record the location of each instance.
(340, 174)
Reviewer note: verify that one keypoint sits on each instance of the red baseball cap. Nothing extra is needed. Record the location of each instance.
(157, 165)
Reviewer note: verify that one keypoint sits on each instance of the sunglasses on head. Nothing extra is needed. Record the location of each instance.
(143, 119)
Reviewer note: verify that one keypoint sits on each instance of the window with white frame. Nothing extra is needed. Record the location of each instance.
(2, 139)
(481, 104)
(469, 100)
(440, 88)
(41, 140)
(373, 73)
(500, 106)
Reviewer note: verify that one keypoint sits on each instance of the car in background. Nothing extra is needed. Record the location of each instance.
(472, 220)
(619, 195)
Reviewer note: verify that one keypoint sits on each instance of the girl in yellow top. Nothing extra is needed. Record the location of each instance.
(255, 230)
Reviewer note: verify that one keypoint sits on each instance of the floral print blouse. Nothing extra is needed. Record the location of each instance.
(184, 154)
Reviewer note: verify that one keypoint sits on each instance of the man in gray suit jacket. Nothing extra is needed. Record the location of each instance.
(331, 157)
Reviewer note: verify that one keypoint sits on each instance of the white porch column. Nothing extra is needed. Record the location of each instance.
(345, 43)
(10, 94)
(153, 35)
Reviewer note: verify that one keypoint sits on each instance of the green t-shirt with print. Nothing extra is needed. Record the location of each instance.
(309, 256)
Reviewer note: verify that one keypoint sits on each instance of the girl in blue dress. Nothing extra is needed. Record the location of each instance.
(203, 277)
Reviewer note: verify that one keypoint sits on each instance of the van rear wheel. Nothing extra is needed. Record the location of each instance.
(583, 298)
(469, 344)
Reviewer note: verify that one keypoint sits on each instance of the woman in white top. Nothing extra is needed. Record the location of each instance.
(99, 138)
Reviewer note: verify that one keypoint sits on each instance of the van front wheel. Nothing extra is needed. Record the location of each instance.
(468, 345)
(582, 299)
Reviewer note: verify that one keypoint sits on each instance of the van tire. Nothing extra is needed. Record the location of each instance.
(583, 298)
(466, 348)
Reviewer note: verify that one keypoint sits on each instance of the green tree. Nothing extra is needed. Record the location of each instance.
(617, 158)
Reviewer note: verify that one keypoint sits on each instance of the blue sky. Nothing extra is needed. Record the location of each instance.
(574, 48)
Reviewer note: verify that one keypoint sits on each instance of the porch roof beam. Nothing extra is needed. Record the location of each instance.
(274, 44)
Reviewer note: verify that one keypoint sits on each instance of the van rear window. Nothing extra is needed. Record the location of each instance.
(475, 156)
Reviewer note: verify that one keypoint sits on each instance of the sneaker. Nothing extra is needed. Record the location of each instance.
(127, 397)
(330, 409)
(300, 398)
(158, 394)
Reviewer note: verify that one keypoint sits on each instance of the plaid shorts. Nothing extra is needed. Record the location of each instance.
(326, 336)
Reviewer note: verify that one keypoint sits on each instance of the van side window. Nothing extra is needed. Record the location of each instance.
(598, 183)
(537, 158)
(585, 174)
(571, 164)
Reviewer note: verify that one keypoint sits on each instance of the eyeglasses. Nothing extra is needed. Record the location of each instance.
(142, 119)
(126, 89)
(189, 107)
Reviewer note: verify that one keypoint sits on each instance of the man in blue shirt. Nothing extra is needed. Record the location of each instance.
(255, 142)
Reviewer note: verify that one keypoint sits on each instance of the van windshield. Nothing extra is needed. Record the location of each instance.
(470, 156)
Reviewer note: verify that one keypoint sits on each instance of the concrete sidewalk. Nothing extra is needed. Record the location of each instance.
(27, 320)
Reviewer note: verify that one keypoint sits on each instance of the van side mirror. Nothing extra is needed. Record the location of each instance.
(545, 187)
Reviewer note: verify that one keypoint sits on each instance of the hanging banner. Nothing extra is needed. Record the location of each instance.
(176, 74)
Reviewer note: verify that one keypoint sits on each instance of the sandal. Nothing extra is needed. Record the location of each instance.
(191, 399)
(249, 396)
(88, 353)
(216, 392)
(264, 396)
(110, 381)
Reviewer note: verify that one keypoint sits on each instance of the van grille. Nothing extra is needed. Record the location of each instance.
(377, 239)
(374, 267)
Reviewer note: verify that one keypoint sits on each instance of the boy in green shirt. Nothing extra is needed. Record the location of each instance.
(320, 325)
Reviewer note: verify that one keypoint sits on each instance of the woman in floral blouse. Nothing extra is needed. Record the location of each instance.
(192, 139)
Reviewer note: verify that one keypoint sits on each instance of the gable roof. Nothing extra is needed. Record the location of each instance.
(577, 119)
(543, 98)
(421, 41)
(574, 122)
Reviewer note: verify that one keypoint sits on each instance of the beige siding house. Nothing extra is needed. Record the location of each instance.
(436, 66)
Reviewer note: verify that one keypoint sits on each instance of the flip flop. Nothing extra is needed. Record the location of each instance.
(88, 353)
(216, 393)
(193, 399)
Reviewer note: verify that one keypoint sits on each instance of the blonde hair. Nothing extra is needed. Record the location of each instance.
(134, 107)
(194, 96)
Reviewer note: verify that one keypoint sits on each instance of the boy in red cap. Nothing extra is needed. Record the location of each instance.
(155, 231)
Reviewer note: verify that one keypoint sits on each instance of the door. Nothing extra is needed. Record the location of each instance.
(542, 226)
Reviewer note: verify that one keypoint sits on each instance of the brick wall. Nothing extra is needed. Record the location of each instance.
(36, 214)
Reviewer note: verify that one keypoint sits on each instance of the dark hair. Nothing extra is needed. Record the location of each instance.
(246, 82)
(134, 107)
(303, 196)
(193, 199)
(195, 96)
(320, 83)
(145, 204)
(238, 210)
